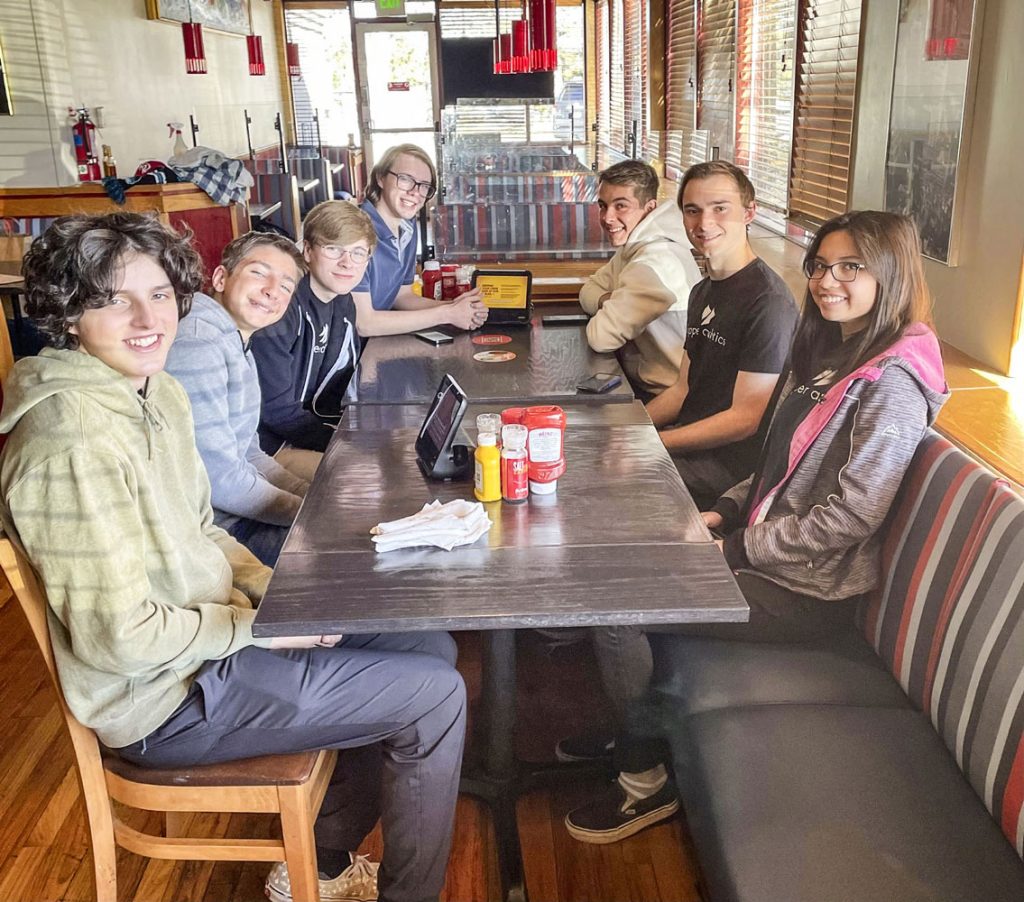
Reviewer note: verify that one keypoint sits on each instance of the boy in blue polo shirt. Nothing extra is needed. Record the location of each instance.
(401, 182)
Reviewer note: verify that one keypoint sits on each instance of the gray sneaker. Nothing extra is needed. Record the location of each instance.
(615, 814)
(357, 883)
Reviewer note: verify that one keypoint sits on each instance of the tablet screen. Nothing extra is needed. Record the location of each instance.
(504, 292)
(442, 420)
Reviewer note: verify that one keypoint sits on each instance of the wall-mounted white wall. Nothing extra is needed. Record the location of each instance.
(975, 301)
(91, 53)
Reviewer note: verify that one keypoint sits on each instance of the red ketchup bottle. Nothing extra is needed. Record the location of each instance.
(449, 273)
(432, 280)
(545, 443)
(512, 415)
(515, 465)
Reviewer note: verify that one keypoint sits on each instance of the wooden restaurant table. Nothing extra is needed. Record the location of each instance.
(620, 542)
(550, 361)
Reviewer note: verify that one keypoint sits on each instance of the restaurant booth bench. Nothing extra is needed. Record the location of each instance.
(889, 768)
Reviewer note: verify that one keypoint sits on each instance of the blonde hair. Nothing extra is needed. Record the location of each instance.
(387, 162)
(338, 222)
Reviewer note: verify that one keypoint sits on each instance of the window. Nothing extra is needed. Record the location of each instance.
(623, 82)
(765, 43)
(716, 43)
(826, 90)
(680, 84)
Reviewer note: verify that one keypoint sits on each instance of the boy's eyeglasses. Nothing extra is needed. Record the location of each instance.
(426, 190)
(336, 252)
(843, 271)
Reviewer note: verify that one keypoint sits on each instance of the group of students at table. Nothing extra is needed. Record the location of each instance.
(154, 554)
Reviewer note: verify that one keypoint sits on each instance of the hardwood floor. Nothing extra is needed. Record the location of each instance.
(44, 844)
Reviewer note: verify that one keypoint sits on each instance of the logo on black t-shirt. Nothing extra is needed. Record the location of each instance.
(321, 342)
(706, 316)
(823, 380)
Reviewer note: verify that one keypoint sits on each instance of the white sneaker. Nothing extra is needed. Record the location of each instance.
(357, 883)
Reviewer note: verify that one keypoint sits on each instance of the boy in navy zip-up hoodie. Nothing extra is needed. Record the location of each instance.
(305, 361)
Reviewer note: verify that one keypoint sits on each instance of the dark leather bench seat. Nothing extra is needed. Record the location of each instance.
(890, 766)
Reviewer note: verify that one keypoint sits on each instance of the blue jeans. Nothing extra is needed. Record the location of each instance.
(393, 703)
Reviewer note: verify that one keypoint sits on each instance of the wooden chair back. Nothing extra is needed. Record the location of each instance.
(291, 786)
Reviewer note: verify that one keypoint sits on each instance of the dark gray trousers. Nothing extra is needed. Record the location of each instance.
(626, 665)
(393, 702)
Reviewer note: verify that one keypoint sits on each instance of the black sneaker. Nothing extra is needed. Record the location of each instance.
(614, 814)
(586, 747)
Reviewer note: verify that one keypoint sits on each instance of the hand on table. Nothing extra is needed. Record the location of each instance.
(468, 310)
(304, 641)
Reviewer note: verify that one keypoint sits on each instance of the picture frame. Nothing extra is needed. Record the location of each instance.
(228, 16)
(934, 83)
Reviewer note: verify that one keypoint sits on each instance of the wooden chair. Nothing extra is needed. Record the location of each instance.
(291, 786)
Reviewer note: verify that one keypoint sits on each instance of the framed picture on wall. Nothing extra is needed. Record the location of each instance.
(231, 16)
(929, 120)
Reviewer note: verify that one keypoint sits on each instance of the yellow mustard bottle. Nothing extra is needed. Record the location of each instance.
(487, 479)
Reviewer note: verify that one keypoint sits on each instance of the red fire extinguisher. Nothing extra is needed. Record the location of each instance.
(82, 131)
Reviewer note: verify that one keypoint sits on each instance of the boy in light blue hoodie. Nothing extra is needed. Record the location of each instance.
(254, 498)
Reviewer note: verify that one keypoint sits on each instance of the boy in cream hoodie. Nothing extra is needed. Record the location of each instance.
(637, 300)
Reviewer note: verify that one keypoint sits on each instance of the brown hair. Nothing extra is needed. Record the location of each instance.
(338, 222)
(387, 162)
(634, 174)
(713, 168)
(891, 249)
(239, 249)
(77, 264)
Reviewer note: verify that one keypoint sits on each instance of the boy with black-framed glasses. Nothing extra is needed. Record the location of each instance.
(400, 183)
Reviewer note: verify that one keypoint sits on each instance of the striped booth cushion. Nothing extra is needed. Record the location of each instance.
(949, 618)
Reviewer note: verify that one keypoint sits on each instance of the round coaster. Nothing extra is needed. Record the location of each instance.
(491, 338)
(494, 356)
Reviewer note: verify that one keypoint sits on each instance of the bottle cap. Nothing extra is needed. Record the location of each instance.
(431, 264)
(513, 436)
(487, 439)
(544, 488)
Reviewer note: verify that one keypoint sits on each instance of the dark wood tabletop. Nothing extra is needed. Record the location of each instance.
(550, 362)
(401, 416)
(620, 542)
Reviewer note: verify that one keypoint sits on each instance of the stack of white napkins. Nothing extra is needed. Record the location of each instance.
(442, 525)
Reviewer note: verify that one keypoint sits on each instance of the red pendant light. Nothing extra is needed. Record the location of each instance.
(254, 47)
(195, 53)
(292, 52)
(254, 44)
(530, 46)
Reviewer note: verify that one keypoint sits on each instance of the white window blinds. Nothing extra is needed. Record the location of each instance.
(765, 44)
(716, 39)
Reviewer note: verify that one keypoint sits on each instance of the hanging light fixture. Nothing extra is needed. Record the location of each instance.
(292, 52)
(543, 50)
(195, 53)
(530, 45)
(254, 46)
(502, 48)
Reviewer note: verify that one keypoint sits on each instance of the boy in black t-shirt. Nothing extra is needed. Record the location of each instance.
(739, 327)
(740, 323)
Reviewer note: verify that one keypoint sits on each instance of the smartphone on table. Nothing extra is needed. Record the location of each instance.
(563, 319)
(433, 337)
(599, 383)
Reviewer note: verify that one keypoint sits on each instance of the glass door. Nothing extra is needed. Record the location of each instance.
(399, 100)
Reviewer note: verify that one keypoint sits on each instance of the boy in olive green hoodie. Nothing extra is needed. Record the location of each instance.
(151, 604)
